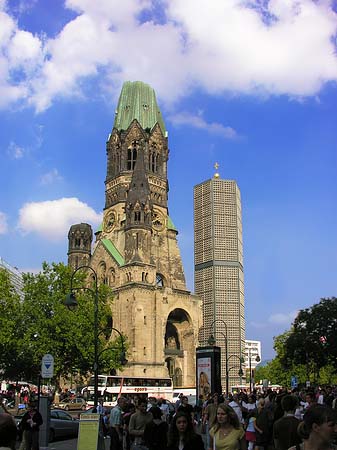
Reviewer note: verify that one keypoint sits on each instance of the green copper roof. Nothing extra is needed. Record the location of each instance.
(113, 251)
(100, 228)
(138, 101)
(170, 224)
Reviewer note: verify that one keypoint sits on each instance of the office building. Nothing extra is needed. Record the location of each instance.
(218, 257)
(15, 276)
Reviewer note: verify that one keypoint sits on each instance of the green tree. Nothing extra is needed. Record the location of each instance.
(11, 325)
(311, 341)
(42, 324)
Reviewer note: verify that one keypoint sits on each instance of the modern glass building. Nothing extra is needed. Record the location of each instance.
(15, 274)
(218, 257)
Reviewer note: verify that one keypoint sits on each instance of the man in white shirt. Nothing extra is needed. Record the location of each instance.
(237, 407)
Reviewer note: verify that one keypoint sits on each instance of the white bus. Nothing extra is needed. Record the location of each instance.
(110, 387)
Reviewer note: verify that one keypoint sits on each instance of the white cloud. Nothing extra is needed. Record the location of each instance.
(21, 57)
(197, 121)
(233, 46)
(52, 219)
(15, 151)
(50, 177)
(3, 223)
(282, 318)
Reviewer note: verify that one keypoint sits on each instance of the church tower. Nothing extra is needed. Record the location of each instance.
(136, 250)
(79, 245)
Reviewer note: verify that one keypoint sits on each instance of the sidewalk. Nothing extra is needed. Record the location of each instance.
(68, 444)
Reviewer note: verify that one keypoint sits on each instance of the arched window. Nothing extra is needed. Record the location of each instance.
(112, 277)
(102, 273)
(178, 377)
(132, 157)
(154, 162)
(159, 280)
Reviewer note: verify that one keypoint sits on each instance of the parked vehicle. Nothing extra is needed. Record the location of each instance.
(73, 404)
(61, 425)
(91, 411)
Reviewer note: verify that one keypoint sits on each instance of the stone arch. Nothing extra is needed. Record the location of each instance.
(179, 344)
(112, 277)
(170, 366)
(102, 278)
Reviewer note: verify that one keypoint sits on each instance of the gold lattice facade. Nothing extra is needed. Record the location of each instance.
(218, 256)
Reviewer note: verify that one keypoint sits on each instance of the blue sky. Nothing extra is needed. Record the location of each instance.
(249, 84)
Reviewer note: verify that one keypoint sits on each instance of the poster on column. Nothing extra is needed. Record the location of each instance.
(204, 371)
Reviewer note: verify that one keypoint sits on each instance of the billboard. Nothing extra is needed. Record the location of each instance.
(208, 370)
(204, 372)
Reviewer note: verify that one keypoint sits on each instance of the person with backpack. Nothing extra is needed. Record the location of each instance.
(155, 432)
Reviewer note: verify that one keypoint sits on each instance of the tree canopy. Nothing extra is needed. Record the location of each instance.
(40, 324)
(308, 350)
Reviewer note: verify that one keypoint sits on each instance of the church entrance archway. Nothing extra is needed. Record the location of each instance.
(179, 345)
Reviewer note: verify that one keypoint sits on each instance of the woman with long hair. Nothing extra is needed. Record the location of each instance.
(182, 436)
(317, 429)
(226, 433)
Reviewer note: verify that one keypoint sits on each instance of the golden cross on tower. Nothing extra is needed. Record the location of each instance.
(216, 166)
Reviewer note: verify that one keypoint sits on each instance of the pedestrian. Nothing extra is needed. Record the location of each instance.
(263, 426)
(30, 425)
(178, 401)
(186, 408)
(100, 408)
(116, 425)
(182, 436)
(155, 432)
(235, 404)
(7, 432)
(285, 429)
(227, 432)
(317, 429)
(137, 425)
(105, 423)
(209, 416)
(165, 410)
(250, 429)
(198, 409)
(129, 410)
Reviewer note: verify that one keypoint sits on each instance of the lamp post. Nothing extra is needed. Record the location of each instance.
(257, 359)
(212, 341)
(241, 360)
(71, 303)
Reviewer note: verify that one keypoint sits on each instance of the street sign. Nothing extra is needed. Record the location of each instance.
(47, 366)
(294, 382)
(88, 432)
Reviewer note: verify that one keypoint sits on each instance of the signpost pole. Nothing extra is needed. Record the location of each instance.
(47, 371)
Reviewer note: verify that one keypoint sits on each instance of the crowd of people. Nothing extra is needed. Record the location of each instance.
(300, 420)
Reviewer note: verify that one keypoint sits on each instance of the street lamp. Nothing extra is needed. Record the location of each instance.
(257, 359)
(241, 360)
(71, 303)
(212, 341)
